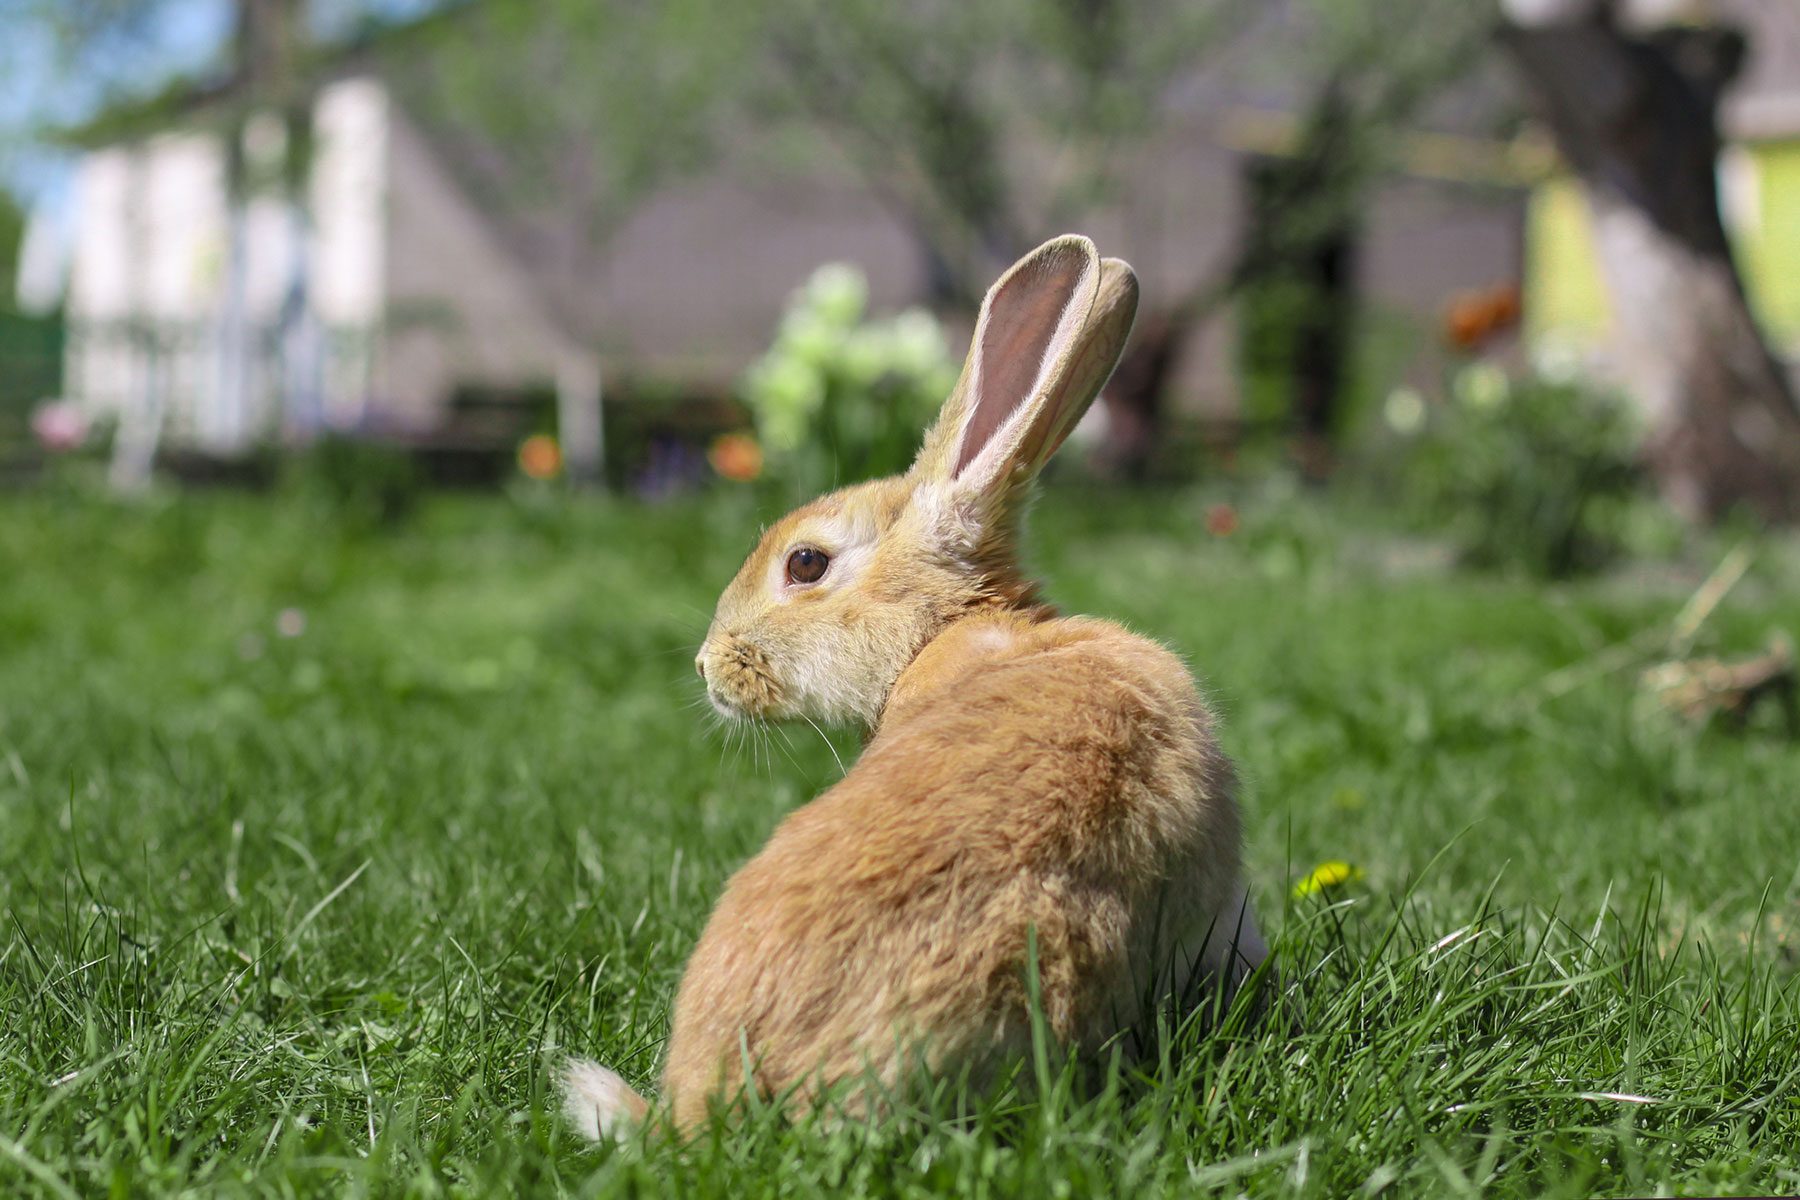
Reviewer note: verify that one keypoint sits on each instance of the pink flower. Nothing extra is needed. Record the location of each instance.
(59, 426)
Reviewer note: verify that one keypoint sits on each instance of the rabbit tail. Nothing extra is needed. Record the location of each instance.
(599, 1104)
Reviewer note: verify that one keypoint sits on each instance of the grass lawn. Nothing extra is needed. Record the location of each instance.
(320, 849)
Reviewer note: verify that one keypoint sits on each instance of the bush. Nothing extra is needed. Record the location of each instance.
(840, 398)
(1530, 473)
(361, 482)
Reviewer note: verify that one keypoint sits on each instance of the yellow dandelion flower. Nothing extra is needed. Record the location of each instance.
(1327, 875)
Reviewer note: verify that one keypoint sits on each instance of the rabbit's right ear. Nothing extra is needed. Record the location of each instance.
(1049, 334)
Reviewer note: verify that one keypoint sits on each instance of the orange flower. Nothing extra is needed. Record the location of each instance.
(1466, 320)
(736, 456)
(1504, 306)
(1221, 520)
(1471, 318)
(540, 457)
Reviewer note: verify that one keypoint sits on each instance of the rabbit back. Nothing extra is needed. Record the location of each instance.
(1054, 782)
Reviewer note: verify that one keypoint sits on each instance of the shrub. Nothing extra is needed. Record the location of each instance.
(359, 481)
(1530, 473)
(839, 397)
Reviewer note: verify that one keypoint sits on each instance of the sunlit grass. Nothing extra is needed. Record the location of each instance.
(319, 906)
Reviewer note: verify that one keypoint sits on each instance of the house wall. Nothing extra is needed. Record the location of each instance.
(1764, 100)
(144, 281)
(692, 285)
(149, 310)
(414, 288)
(1771, 247)
(1178, 224)
(101, 373)
(459, 308)
(1565, 297)
(1421, 242)
(1424, 242)
(348, 195)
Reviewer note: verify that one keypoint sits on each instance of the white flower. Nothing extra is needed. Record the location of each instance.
(1404, 410)
(837, 293)
(1556, 359)
(918, 341)
(1481, 387)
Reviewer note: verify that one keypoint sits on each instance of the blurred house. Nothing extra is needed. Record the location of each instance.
(395, 291)
(366, 303)
(1568, 304)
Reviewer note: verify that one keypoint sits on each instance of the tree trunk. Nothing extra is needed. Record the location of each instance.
(1322, 350)
(1134, 395)
(1636, 118)
(267, 45)
(1297, 274)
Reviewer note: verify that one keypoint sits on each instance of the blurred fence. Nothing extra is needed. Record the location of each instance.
(203, 384)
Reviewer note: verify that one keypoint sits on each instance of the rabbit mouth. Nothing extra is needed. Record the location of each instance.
(739, 684)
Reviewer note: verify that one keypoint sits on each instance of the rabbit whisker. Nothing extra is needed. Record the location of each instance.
(842, 769)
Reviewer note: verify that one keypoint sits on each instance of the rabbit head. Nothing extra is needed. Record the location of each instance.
(841, 594)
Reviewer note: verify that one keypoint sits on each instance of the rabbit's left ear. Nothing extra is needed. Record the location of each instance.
(1050, 332)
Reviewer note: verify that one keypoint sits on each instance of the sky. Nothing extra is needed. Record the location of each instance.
(39, 87)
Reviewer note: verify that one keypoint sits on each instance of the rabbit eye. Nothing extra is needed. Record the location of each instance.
(807, 565)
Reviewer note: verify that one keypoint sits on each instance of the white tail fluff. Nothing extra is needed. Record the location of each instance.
(599, 1104)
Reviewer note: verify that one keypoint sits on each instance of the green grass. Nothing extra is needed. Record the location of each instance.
(321, 914)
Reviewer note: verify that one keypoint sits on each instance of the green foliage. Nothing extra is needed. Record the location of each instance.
(659, 84)
(841, 397)
(314, 907)
(1532, 474)
(31, 346)
(12, 236)
(31, 349)
(355, 479)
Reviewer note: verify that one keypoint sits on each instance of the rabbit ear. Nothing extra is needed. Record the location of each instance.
(1048, 336)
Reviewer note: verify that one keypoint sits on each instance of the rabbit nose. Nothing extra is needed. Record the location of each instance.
(700, 664)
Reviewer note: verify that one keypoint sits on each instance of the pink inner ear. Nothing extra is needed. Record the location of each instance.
(1021, 322)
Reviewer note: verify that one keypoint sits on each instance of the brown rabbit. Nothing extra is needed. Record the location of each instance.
(1028, 778)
